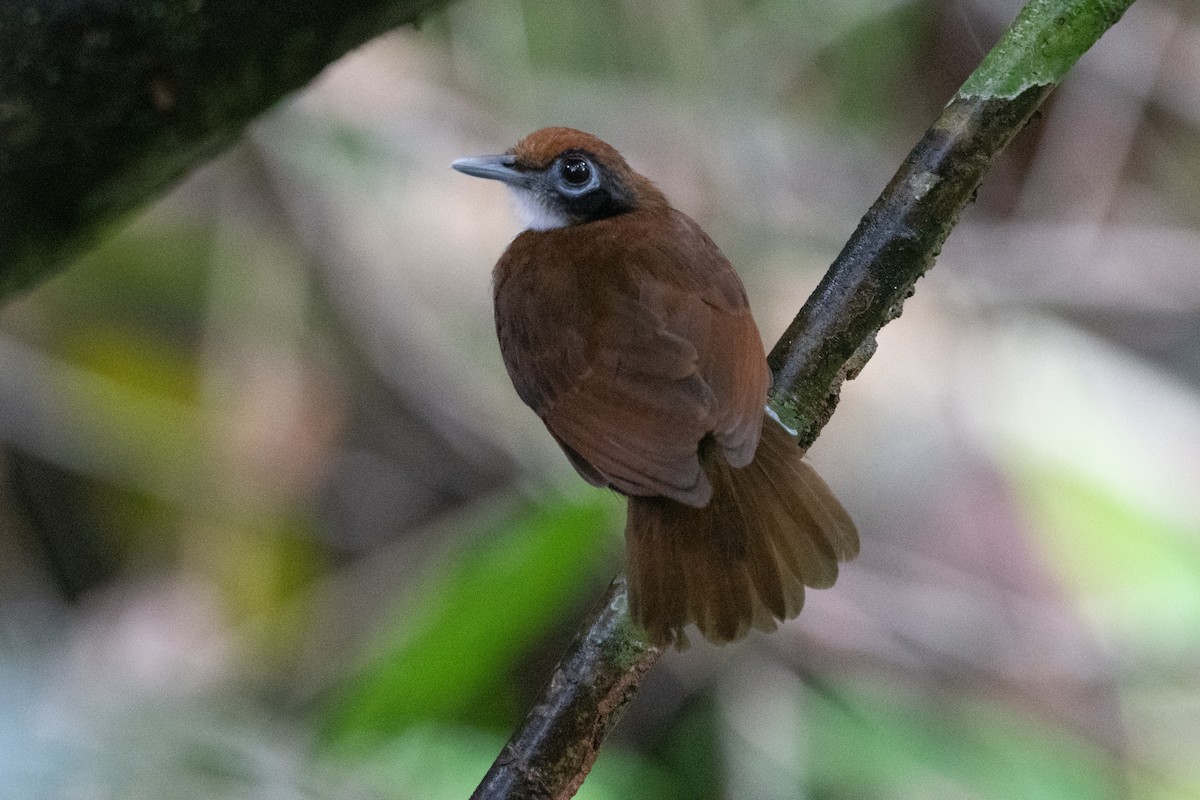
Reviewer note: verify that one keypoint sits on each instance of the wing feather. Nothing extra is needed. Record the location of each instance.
(633, 347)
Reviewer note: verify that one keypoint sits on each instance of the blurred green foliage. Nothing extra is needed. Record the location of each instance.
(449, 651)
(877, 741)
(1135, 570)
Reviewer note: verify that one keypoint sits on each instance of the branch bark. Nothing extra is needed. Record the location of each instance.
(829, 341)
(556, 746)
(104, 104)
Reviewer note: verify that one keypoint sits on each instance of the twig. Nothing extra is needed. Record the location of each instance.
(829, 341)
(556, 746)
(833, 336)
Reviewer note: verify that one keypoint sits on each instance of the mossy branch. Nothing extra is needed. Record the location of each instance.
(105, 104)
(829, 341)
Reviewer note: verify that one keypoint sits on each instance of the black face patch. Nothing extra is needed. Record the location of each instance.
(583, 188)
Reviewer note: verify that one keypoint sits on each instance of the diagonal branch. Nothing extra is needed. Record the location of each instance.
(829, 341)
(557, 744)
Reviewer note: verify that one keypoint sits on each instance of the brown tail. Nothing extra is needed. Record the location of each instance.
(743, 560)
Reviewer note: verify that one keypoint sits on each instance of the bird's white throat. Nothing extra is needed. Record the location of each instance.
(533, 213)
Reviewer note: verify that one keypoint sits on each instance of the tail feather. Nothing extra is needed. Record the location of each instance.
(772, 528)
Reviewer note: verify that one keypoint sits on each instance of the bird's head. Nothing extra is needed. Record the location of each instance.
(561, 177)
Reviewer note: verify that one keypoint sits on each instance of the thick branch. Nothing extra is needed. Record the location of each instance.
(830, 340)
(104, 104)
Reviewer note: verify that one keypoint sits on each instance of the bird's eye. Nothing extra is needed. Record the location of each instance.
(575, 171)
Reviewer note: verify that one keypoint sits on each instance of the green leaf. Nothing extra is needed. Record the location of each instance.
(451, 648)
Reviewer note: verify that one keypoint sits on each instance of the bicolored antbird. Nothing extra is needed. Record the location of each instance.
(628, 332)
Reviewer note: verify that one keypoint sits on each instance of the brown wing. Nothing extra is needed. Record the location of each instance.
(632, 348)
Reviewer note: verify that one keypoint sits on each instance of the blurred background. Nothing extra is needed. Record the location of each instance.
(273, 523)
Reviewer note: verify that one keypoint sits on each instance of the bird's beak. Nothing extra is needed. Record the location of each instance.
(496, 168)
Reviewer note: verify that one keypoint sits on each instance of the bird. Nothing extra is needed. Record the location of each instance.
(628, 332)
